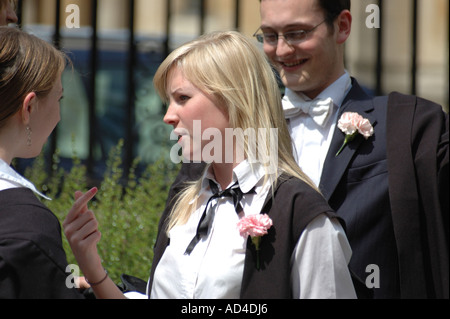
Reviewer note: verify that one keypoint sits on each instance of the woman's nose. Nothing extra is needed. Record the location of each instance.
(171, 118)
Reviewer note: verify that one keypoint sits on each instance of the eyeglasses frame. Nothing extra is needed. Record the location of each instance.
(261, 39)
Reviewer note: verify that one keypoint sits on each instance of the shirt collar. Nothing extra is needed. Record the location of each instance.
(248, 176)
(10, 175)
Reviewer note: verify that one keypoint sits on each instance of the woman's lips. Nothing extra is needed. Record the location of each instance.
(180, 133)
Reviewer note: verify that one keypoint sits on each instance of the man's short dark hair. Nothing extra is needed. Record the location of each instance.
(333, 8)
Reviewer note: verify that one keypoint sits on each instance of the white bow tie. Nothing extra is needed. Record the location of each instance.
(319, 110)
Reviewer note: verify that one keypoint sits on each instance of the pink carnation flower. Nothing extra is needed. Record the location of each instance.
(254, 225)
(351, 124)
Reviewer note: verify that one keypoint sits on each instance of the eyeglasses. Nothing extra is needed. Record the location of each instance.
(292, 37)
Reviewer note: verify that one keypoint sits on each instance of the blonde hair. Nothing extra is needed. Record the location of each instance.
(230, 67)
(27, 64)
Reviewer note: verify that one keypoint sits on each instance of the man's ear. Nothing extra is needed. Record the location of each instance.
(344, 26)
(28, 105)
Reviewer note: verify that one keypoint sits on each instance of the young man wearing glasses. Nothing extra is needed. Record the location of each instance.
(391, 195)
(390, 186)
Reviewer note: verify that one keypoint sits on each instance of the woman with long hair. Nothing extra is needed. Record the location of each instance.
(253, 226)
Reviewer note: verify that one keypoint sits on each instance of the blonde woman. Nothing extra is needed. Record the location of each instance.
(224, 105)
(32, 259)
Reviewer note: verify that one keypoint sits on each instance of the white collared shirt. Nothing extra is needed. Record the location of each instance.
(312, 141)
(214, 270)
(9, 179)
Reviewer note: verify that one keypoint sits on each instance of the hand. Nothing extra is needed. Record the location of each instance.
(81, 230)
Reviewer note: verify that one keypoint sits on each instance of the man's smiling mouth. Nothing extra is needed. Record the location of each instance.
(293, 64)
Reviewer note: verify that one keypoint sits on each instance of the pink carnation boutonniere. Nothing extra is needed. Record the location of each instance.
(255, 226)
(352, 124)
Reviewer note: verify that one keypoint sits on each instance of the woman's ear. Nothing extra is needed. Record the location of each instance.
(29, 103)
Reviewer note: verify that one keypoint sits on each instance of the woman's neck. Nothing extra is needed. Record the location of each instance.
(5, 156)
(223, 173)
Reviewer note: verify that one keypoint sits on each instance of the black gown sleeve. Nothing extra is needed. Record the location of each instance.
(33, 262)
(28, 272)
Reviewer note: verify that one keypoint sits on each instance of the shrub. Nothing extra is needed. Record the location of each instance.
(128, 212)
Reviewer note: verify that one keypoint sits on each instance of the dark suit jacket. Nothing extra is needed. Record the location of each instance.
(370, 186)
(355, 183)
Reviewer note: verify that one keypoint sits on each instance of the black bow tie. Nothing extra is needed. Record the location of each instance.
(206, 220)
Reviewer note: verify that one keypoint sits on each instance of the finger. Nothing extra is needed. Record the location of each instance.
(80, 205)
(86, 246)
(87, 230)
(81, 200)
(78, 194)
(82, 283)
(77, 224)
(81, 229)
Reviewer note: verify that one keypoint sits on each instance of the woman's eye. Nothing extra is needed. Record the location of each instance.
(183, 98)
